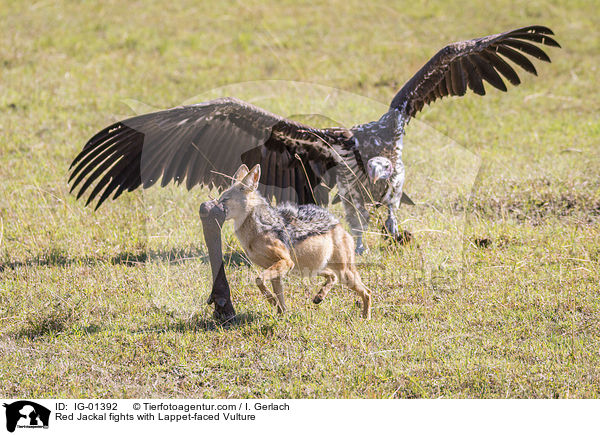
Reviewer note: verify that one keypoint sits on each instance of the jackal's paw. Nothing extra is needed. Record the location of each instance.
(318, 299)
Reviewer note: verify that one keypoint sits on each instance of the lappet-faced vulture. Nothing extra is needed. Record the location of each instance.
(199, 143)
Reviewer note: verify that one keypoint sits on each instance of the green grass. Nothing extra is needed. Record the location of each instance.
(112, 303)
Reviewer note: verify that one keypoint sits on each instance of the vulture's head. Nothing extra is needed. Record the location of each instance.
(379, 168)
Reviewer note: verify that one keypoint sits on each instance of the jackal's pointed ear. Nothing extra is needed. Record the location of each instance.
(252, 178)
(240, 174)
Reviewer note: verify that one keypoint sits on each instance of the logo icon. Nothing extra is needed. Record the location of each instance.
(26, 414)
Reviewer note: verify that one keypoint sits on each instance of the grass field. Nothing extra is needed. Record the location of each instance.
(112, 303)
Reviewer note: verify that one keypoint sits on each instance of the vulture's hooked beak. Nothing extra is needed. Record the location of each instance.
(379, 168)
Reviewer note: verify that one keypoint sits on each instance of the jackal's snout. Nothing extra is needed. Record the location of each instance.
(234, 201)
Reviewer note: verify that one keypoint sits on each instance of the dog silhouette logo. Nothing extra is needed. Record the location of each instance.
(26, 414)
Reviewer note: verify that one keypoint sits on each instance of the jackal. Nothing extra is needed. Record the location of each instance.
(306, 238)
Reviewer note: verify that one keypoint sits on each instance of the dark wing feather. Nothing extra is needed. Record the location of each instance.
(467, 63)
(203, 144)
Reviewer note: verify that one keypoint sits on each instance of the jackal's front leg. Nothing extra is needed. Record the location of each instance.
(274, 274)
(330, 280)
(278, 289)
(265, 291)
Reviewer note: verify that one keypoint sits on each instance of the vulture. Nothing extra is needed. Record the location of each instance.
(205, 143)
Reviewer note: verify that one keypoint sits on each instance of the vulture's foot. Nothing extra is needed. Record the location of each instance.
(403, 237)
(224, 311)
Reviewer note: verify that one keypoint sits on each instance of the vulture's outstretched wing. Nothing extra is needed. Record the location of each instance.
(199, 143)
(464, 64)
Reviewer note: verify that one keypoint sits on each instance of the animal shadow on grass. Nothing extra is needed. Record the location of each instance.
(60, 319)
(201, 322)
(53, 323)
(58, 258)
(57, 323)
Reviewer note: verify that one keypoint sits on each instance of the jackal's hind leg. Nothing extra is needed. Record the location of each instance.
(330, 280)
(365, 294)
(351, 278)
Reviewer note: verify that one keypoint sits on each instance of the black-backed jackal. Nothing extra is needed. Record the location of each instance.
(306, 238)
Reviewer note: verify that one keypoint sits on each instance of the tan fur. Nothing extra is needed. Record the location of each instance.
(330, 255)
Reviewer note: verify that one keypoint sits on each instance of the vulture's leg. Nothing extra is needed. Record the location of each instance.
(360, 247)
(391, 223)
(213, 216)
(358, 218)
